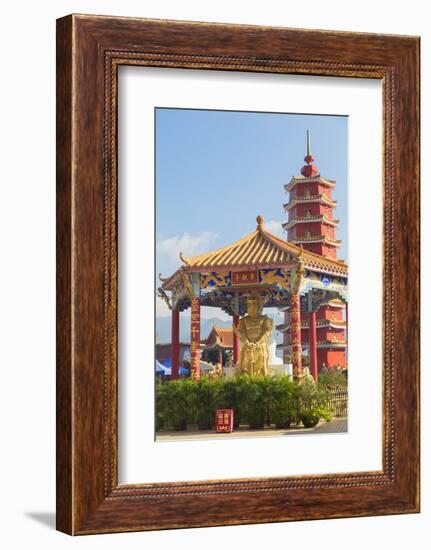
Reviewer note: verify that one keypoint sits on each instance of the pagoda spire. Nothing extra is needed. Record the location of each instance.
(309, 170)
(308, 144)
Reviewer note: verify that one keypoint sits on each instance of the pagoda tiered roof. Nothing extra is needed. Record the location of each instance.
(257, 250)
(310, 219)
(304, 239)
(324, 323)
(340, 344)
(332, 344)
(321, 198)
(314, 179)
(335, 302)
(321, 323)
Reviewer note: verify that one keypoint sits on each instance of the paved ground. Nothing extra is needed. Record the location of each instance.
(337, 425)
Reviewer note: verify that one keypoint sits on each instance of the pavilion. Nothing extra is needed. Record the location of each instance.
(285, 275)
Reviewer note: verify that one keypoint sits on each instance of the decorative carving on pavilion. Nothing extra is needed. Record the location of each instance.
(278, 276)
(214, 279)
(164, 297)
(186, 283)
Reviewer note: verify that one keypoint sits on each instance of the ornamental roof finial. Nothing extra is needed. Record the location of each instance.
(308, 144)
(309, 170)
(260, 219)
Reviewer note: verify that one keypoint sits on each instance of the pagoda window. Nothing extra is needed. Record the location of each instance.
(308, 213)
(308, 234)
(307, 193)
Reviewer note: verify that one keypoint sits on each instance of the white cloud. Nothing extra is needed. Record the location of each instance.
(168, 259)
(162, 310)
(276, 229)
(169, 248)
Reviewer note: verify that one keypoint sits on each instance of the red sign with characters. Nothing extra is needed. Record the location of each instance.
(224, 421)
(244, 277)
(195, 339)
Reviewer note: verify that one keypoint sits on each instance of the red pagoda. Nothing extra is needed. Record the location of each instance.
(311, 225)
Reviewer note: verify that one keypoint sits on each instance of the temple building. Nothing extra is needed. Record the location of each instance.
(219, 340)
(311, 225)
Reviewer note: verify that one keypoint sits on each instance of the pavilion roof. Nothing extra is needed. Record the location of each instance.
(221, 337)
(262, 249)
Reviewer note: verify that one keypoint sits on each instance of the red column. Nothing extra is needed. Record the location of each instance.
(220, 358)
(175, 344)
(312, 341)
(295, 327)
(235, 324)
(195, 339)
(286, 338)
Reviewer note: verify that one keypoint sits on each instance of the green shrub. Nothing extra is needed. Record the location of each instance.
(254, 400)
(254, 403)
(176, 410)
(206, 393)
(332, 377)
(161, 406)
(313, 403)
(284, 405)
(232, 395)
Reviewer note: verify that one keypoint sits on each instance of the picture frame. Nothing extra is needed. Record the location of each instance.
(89, 51)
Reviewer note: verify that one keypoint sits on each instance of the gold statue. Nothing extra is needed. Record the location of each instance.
(254, 332)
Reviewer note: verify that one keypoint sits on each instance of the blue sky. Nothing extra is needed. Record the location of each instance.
(216, 170)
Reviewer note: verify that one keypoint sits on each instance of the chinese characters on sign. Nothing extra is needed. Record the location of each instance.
(224, 420)
(195, 338)
(244, 277)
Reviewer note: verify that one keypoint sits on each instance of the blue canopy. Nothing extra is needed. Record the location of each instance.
(161, 369)
(164, 368)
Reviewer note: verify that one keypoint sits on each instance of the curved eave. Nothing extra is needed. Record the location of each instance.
(319, 345)
(317, 239)
(284, 327)
(216, 346)
(171, 281)
(316, 219)
(338, 304)
(325, 324)
(304, 180)
(326, 345)
(309, 200)
(316, 262)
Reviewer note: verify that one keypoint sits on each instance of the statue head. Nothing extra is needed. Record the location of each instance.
(254, 305)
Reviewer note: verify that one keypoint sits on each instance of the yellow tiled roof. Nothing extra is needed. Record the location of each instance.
(258, 247)
(262, 248)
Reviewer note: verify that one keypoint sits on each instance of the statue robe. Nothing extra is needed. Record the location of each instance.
(254, 358)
